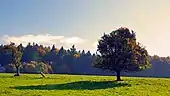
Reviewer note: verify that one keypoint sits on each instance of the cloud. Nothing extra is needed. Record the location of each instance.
(49, 40)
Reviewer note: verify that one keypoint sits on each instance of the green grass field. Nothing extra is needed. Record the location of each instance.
(79, 85)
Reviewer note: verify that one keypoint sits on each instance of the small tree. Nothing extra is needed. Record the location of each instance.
(119, 51)
(17, 61)
(16, 56)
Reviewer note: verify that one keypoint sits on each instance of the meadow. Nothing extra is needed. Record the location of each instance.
(81, 85)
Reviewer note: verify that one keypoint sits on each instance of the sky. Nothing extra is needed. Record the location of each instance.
(83, 22)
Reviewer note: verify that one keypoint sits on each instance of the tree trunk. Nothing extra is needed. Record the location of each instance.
(42, 74)
(18, 72)
(118, 76)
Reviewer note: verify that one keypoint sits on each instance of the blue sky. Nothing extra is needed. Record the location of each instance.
(70, 21)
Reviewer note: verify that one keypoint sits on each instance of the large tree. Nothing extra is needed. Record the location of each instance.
(119, 52)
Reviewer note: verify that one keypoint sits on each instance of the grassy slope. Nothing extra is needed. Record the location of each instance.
(72, 85)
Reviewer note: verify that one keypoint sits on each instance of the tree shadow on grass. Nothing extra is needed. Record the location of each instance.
(80, 85)
(6, 76)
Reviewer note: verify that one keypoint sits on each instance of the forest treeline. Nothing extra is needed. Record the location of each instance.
(54, 60)
(70, 61)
